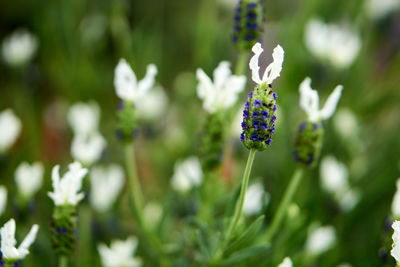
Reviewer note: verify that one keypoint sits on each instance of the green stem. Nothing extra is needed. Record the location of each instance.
(241, 63)
(239, 206)
(62, 261)
(283, 206)
(138, 203)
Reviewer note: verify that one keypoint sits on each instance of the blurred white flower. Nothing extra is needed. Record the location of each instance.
(255, 199)
(8, 242)
(320, 240)
(309, 101)
(29, 178)
(395, 252)
(236, 128)
(272, 71)
(345, 123)
(3, 199)
(187, 174)
(126, 85)
(338, 45)
(333, 175)
(396, 201)
(10, 127)
(228, 4)
(66, 189)
(120, 254)
(223, 93)
(153, 105)
(344, 264)
(84, 117)
(380, 8)
(287, 262)
(19, 47)
(106, 184)
(152, 214)
(92, 29)
(87, 149)
(349, 199)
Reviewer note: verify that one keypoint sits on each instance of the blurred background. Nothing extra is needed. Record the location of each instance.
(77, 45)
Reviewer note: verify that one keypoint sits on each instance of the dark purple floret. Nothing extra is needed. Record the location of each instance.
(247, 104)
(273, 118)
(237, 18)
(121, 105)
(238, 10)
(250, 95)
(315, 126)
(251, 6)
(245, 114)
(268, 142)
(256, 124)
(248, 37)
(274, 95)
(255, 114)
(274, 108)
(251, 26)
(244, 125)
(254, 137)
(257, 103)
(235, 39)
(264, 115)
(252, 15)
(265, 105)
(236, 28)
(302, 126)
(242, 137)
(264, 125)
(16, 264)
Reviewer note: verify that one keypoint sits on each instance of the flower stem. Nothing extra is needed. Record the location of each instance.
(62, 261)
(241, 63)
(239, 205)
(136, 197)
(282, 209)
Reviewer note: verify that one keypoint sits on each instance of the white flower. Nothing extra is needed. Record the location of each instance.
(345, 123)
(126, 85)
(87, 149)
(152, 105)
(334, 175)
(380, 8)
(349, 199)
(19, 47)
(8, 242)
(335, 44)
(320, 240)
(396, 201)
(3, 199)
(223, 93)
(106, 184)
(309, 101)
(10, 127)
(120, 254)
(29, 178)
(84, 117)
(287, 262)
(254, 199)
(395, 252)
(66, 189)
(272, 71)
(187, 174)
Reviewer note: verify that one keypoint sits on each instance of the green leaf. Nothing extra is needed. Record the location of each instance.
(247, 237)
(244, 254)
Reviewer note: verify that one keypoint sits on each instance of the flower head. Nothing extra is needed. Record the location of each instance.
(66, 189)
(333, 43)
(10, 127)
(120, 253)
(19, 47)
(309, 101)
(396, 201)
(106, 184)
(29, 178)
(334, 175)
(395, 252)
(272, 71)
(87, 149)
(8, 242)
(3, 199)
(126, 85)
(223, 92)
(320, 240)
(255, 199)
(287, 262)
(187, 174)
(84, 117)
